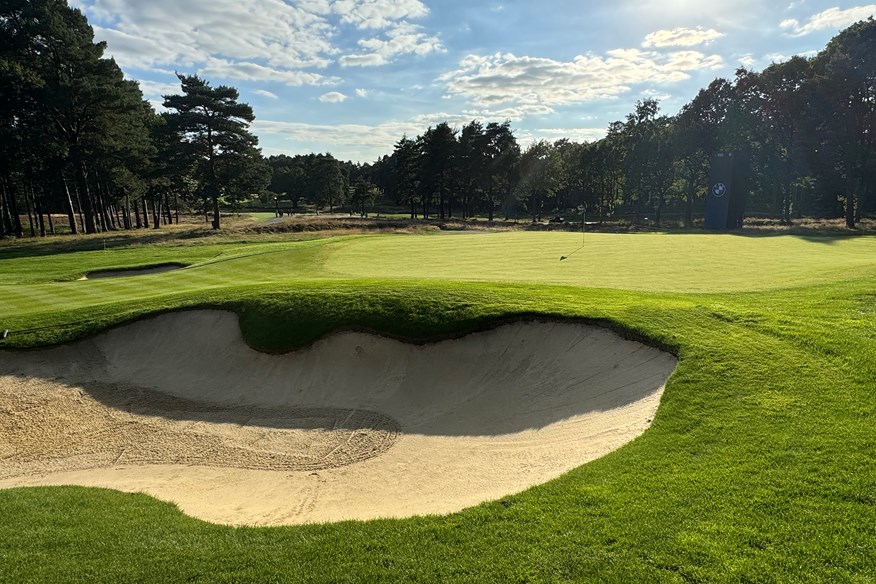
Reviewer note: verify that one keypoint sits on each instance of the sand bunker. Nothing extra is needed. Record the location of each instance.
(354, 427)
(156, 269)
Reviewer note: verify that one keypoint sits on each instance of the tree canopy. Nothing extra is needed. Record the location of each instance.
(215, 126)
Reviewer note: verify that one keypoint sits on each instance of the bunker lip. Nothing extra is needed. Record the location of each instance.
(134, 271)
(354, 426)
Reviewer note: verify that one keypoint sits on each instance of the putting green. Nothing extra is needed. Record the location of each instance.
(648, 262)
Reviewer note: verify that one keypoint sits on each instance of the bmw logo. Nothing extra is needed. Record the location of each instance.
(719, 190)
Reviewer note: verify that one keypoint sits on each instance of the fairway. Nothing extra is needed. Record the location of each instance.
(757, 465)
(643, 262)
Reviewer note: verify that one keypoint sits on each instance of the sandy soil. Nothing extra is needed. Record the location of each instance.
(353, 427)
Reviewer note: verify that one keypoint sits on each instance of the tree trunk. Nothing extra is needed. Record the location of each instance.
(176, 208)
(786, 203)
(103, 200)
(100, 214)
(216, 211)
(658, 212)
(5, 222)
(30, 219)
(688, 203)
(84, 193)
(156, 212)
(12, 208)
(145, 214)
(859, 200)
(38, 211)
(138, 223)
(51, 223)
(68, 206)
(79, 211)
(167, 210)
(126, 213)
(850, 210)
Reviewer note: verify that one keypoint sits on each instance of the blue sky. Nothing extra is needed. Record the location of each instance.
(351, 76)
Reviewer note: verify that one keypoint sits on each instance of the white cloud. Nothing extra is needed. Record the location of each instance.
(515, 114)
(368, 60)
(423, 121)
(747, 60)
(280, 36)
(361, 92)
(170, 32)
(377, 13)
(247, 71)
(402, 39)
(347, 141)
(832, 18)
(527, 81)
(266, 93)
(154, 89)
(681, 37)
(776, 58)
(158, 105)
(658, 95)
(573, 134)
(332, 97)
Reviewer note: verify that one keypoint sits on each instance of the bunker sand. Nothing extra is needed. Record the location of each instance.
(355, 426)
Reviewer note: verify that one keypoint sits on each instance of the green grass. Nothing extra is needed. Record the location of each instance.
(647, 262)
(261, 217)
(760, 465)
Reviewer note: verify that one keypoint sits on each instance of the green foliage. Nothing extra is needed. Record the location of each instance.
(215, 127)
(438, 161)
(69, 112)
(362, 196)
(315, 178)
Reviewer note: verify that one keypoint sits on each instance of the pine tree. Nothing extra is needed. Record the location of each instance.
(216, 126)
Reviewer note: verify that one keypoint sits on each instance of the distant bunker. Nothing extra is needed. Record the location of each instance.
(139, 271)
(355, 426)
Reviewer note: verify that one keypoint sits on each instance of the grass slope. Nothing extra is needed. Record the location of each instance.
(759, 465)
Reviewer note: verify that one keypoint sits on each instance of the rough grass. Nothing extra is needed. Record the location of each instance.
(759, 466)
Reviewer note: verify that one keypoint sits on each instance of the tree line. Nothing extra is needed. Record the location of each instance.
(806, 129)
(78, 139)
